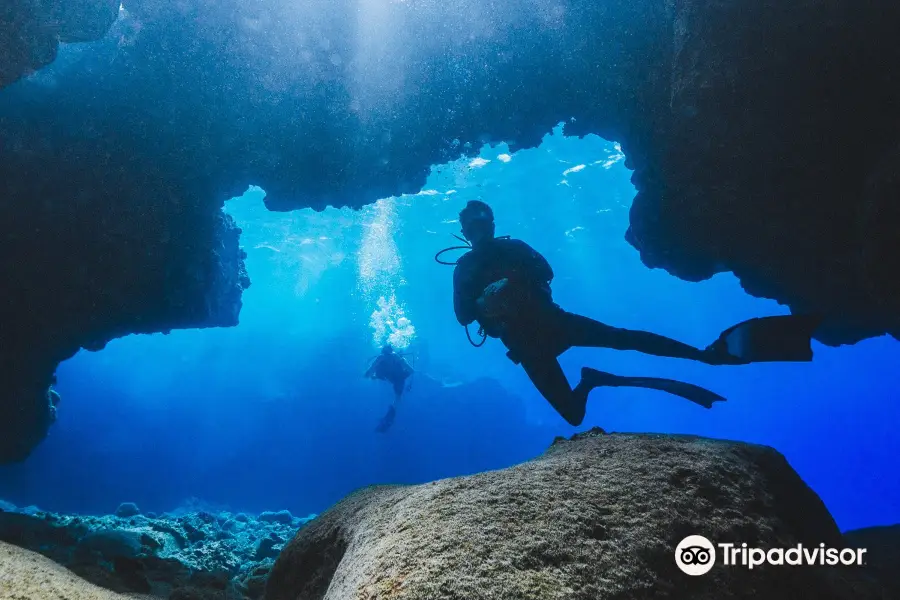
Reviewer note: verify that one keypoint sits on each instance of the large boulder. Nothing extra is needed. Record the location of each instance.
(26, 575)
(599, 516)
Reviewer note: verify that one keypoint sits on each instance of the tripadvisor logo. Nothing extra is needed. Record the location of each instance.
(696, 555)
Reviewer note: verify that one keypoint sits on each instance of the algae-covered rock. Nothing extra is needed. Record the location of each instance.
(127, 509)
(109, 544)
(282, 516)
(596, 517)
(196, 554)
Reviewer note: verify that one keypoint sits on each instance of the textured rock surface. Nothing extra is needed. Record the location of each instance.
(30, 31)
(596, 517)
(26, 575)
(752, 151)
(883, 547)
(770, 164)
(190, 555)
(189, 273)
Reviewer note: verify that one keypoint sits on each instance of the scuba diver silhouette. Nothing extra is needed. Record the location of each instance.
(392, 367)
(504, 285)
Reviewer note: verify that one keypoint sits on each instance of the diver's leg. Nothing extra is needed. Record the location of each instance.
(580, 331)
(398, 389)
(387, 420)
(549, 379)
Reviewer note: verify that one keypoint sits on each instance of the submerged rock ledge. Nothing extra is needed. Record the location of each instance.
(763, 136)
(595, 517)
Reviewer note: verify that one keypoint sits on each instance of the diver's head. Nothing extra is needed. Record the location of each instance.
(477, 221)
(387, 349)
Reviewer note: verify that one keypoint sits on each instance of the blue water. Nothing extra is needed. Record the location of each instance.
(274, 413)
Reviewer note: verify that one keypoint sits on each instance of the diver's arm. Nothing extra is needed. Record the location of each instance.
(407, 368)
(542, 270)
(463, 303)
(371, 370)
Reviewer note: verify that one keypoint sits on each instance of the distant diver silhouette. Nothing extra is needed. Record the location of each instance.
(504, 285)
(392, 367)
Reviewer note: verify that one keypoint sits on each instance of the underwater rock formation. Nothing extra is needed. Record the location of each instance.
(26, 407)
(30, 32)
(27, 575)
(211, 556)
(771, 164)
(127, 509)
(883, 546)
(753, 151)
(595, 517)
(190, 273)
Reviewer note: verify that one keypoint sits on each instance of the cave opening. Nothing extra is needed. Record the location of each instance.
(328, 288)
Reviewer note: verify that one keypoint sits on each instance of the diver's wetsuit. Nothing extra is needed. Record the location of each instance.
(393, 368)
(536, 330)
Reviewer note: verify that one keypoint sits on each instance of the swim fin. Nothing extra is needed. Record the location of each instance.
(387, 420)
(783, 338)
(702, 396)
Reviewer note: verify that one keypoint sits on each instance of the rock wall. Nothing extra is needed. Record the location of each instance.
(779, 162)
(31, 31)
